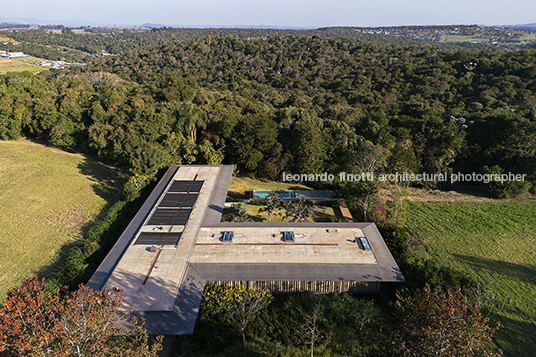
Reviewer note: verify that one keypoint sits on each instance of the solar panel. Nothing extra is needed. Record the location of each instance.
(180, 186)
(186, 186)
(363, 243)
(149, 238)
(288, 236)
(170, 217)
(178, 200)
(227, 236)
(196, 186)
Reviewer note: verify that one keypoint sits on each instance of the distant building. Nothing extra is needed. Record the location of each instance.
(16, 54)
(177, 243)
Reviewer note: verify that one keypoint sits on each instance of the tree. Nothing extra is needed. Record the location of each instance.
(190, 120)
(396, 202)
(238, 303)
(208, 154)
(146, 161)
(299, 210)
(252, 138)
(134, 185)
(309, 145)
(272, 202)
(363, 195)
(311, 326)
(369, 159)
(442, 323)
(34, 322)
(240, 213)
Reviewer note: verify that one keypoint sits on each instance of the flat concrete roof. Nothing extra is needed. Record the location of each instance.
(165, 287)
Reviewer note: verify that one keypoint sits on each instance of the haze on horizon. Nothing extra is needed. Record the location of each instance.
(280, 13)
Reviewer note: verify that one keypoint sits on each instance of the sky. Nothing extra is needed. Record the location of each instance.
(279, 13)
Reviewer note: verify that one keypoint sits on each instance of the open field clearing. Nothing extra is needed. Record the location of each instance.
(494, 243)
(18, 65)
(462, 38)
(48, 198)
(460, 194)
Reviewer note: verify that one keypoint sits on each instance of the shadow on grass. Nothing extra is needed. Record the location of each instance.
(468, 189)
(107, 182)
(517, 271)
(324, 217)
(236, 195)
(516, 338)
(76, 261)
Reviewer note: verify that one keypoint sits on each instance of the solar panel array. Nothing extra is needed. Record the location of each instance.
(186, 186)
(178, 200)
(149, 238)
(169, 217)
(173, 210)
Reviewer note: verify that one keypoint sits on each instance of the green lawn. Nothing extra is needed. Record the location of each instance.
(322, 214)
(495, 244)
(17, 65)
(462, 38)
(47, 199)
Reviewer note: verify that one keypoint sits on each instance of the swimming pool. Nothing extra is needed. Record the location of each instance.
(315, 194)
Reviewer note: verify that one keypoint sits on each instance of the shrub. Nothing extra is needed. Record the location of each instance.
(257, 203)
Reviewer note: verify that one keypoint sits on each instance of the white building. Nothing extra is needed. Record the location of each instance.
(15, 54)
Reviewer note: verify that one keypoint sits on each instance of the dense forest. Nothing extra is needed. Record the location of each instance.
(293, 104)
(114, 41)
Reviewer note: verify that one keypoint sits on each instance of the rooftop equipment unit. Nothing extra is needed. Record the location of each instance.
(288, 236)
(227, 236)
(363, 243)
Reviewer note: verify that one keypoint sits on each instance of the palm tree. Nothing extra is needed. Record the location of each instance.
(191, 119)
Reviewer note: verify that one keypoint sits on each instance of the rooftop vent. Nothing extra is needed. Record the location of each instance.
(363, 243)
(288, 236)
(227, 236)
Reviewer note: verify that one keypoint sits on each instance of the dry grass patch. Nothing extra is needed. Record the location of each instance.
(47, 198)
(17, 65)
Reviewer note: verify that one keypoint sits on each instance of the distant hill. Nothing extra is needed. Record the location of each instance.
(531, 26)
(33, 21)
(149, 25)
(81, 48)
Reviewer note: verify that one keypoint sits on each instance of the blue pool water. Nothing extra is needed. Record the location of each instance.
(294, 194)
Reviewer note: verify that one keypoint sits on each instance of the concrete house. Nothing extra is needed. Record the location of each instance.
(177, 243)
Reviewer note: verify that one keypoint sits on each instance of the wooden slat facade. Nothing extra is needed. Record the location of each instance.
(318, 287)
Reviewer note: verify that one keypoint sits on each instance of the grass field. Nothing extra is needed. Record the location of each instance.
(18, 65)
(322, 214)
(240, 185)
(493, 243)
(461, 38)
(47, 199)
